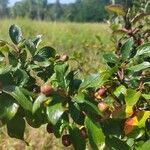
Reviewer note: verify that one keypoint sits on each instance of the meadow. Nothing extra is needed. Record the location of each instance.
(75, 39)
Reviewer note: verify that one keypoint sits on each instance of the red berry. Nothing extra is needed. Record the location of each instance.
(64, 58)
(66, 141)
(49, 128)
(46, 89)
(83, 132)
(103, 106)
(102, 92)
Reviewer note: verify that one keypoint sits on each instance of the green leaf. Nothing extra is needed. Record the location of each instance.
(118, 9)
(21, 77)
(12, 60)
(60, 70)
(37, 40)
(120, 90)
(132, 96)
(139, 67)
(111, 58)
(16, 128)
(126, 48)
(145, 146)
(79, 97)
(146, 96)
(45, 53)
(19, 96)
(15, 34)
(30, 46)
(95, 80)
(37, 103)
(116, 144)
(76, 113)
(76, 138)
(5, 69)
(54, 112)
(8, 107)
(95, 134)
(143, 49)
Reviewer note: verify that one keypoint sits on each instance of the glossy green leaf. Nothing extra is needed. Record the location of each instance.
(139, 67)
(8, 107)
(45, 53)
(21, 77)
(116, 144)
(120, 90)
(78, 141)
(19, 96)
(60, 70)
(143, 49)
(54, 112)
(111, 58)
(132, 96)
(126, 48)
(95, 134)
(37, 40)
(30, 46)
(37, 103)
(16, 128)
(15, 34)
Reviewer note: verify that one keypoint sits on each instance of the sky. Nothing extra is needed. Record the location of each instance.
(11, 2)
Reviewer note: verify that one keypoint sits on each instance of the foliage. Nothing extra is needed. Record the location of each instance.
(112, 105)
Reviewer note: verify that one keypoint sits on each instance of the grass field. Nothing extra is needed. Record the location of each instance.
(78, 40)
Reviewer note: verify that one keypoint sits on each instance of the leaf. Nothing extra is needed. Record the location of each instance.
(19, 96)
(120, 90)
(146, 96)
(139, 67)
(76, 113)
(79, 97)
(95, 134)
(111, 57)
(78, 142)
(61, 70)
(143, 116)
(30, 46)
(132, 96)
(45, 53)
(5, 69)
(116, 144)
(145, 146)
(94, 80)
(37, 40)
(118, 9)
(54, 112)
(139, 17)
(8, 107)
(16, 128)
(12, 60)
(37, 103)
(21, 77)
(15, 34)
(126, 48)
(143, 49)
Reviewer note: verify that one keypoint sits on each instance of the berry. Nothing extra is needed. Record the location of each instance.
(46, 89)
(49, 128)
(64, 58)
(102, 106)
(66, 141)
(102, 92)
(83, 132)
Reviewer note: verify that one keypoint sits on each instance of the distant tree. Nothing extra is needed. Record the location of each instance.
(3, 8)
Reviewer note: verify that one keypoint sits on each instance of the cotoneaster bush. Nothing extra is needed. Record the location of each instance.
(108, 110)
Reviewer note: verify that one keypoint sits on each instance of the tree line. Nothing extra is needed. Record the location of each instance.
(79, 11)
